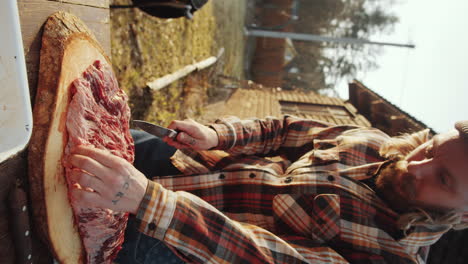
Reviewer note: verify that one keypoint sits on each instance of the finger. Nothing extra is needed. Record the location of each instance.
(169, 140)
(185, 125)
(178, 145)
(174, 124)
(89, 165)
(187, 140)
(84, 197)
(87, 181)
(175, 143)
(102, 156)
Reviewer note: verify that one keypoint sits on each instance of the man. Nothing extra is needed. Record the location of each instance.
(285, 191)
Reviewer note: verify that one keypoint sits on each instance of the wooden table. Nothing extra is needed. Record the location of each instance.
(13, 172)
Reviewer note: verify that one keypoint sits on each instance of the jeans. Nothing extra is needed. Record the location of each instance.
(152, 155)
(141, 249)
(152, 159)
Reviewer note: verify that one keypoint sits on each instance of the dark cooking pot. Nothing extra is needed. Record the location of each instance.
(166, 8)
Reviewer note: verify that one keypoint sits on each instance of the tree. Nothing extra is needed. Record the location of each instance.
(332, 62)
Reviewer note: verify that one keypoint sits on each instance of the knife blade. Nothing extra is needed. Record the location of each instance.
(156, 130)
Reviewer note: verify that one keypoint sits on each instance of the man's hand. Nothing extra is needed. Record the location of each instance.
(192, 135)
(105, 180)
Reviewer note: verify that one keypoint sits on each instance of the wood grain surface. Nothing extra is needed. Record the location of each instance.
(34, 13)
(68, 49)
(94, 3)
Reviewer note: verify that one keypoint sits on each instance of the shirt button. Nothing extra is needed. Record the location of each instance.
(330, 178)
(252, 175)
(152, 226)
(288, 179)
(222, 176)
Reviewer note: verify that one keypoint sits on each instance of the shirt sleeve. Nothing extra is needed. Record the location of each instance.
(200, 233)
(271, 136)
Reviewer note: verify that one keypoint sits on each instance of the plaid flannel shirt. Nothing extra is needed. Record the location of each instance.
(280, 191)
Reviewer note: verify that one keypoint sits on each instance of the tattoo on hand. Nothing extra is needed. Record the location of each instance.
(120, 194)
(192, 142)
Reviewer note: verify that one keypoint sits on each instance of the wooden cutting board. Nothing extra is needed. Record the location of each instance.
(68, 48)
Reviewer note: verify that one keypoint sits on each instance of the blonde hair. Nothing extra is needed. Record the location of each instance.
(397, 148)
(404, 144)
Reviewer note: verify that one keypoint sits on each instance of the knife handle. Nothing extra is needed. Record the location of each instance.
(173, 134)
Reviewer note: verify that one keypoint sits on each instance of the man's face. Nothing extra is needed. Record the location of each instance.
(433, 176)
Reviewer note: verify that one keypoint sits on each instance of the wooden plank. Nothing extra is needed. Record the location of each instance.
(266, 103)
(67, 51)
(271, 104)
(94, 3)
(164, 81)
(350, 107)
(275, 106)
(363, 121)
(33, 14)
(337, 101)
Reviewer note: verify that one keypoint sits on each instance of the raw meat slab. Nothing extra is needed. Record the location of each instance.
(68, 49)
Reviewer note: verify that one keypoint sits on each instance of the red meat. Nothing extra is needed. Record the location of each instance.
(98, 115)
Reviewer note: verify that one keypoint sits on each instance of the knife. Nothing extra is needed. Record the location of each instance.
(156, 130)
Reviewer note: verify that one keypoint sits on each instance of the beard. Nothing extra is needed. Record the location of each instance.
(397, 186)
(398, 189)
